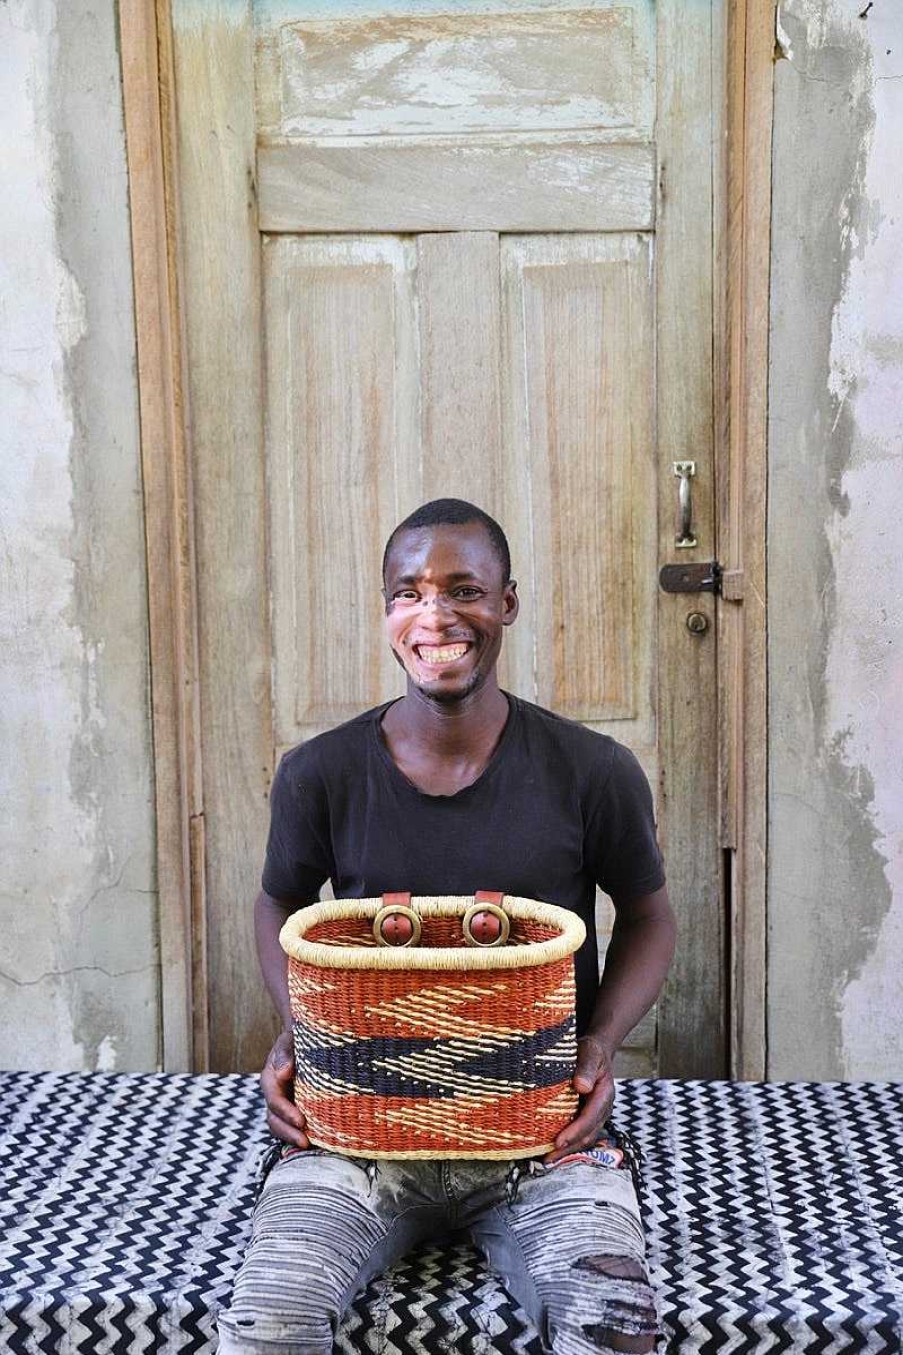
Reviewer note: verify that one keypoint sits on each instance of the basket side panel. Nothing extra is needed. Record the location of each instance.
(423, 1127)
(403, 1062)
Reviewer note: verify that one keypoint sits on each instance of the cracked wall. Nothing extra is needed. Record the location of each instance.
(79, 968)
(835, 901)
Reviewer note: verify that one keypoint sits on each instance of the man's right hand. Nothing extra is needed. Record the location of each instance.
(277, 1080)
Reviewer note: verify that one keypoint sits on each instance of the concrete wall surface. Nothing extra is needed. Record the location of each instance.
(835, 559)
(78, 954)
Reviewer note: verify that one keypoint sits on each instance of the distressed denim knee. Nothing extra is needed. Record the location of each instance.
(259, 1336)
(315, 1230)
(570, 1246)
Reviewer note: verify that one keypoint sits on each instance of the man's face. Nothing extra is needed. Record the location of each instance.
(446, 607)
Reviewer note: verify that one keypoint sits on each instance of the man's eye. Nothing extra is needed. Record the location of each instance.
(404, 595)
(468, 594)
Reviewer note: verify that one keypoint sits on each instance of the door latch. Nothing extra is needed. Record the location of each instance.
(707, 577)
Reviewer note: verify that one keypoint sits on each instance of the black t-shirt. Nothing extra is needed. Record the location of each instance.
(557, 810)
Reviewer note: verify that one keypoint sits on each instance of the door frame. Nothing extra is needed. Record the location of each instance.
(742, 59)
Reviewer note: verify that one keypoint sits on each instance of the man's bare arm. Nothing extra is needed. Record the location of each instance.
(636, 963)
(277, 1079)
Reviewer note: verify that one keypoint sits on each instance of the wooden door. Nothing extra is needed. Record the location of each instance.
(462, 250)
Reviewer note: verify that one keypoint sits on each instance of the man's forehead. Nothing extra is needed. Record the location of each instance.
(458, 549)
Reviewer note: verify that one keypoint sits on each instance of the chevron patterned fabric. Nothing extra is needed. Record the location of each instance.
(774, 1216)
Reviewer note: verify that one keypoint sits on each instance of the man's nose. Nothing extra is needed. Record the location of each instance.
(435, 610)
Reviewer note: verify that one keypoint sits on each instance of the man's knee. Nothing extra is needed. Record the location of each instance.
(243, 1334)
(611, 1308)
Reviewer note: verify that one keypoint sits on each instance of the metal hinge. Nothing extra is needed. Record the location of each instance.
(708, 577)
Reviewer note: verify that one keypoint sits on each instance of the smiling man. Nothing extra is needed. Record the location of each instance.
(458, 786)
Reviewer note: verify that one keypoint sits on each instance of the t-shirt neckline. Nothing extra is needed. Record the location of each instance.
(486, 774)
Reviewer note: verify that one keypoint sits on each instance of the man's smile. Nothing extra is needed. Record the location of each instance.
(437, 656)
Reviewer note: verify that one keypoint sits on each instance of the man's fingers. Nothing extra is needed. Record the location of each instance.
(273, 1088)
(286, 1121)
(280, 1064)
(586, 1128)
(289, 1133)
(592, 1058)
(282, 1055)
(284, 1118)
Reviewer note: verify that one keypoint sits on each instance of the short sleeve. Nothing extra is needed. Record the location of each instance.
(621, 841)
(298, 860)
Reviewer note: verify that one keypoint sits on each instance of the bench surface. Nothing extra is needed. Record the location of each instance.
(774, 1217)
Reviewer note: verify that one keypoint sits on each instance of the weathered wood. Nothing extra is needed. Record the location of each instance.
(458, 288)
(342, 453)
(219, 248)
(579, 311)
(445, 74)
(374, 367)
(147, 96)
(524, 187)
(743, 628)
(693, 1007)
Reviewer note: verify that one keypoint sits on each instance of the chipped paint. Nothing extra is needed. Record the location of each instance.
(328, 69)
(864, 709)
(269, 12)
(77, 901)
(465, 73)
(835, 573)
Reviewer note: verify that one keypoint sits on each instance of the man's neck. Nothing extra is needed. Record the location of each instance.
(444, 745)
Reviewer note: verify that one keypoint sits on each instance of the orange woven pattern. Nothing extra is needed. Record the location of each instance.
(463, 1062)
(428, 1127)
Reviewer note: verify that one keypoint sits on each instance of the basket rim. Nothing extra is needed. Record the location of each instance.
(292, 937)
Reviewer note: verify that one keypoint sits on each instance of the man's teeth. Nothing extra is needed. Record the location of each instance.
(441, 653)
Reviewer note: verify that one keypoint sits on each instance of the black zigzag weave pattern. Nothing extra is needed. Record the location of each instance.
(774, 1217)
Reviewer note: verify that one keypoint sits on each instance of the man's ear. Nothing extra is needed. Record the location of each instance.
(511, 602)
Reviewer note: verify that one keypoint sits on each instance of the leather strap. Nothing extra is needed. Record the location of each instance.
(494, 896)
(400, 899)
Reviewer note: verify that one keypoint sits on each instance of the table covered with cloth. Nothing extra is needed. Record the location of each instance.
(774, 1216)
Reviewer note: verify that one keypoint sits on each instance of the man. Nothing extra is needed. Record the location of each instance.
(453, 788)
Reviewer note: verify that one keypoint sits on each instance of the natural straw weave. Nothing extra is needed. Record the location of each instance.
(435, 1051)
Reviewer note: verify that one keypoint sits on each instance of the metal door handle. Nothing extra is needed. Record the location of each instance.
(685, 470)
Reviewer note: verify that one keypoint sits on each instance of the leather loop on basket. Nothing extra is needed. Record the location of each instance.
(396, 916)
(487, 904)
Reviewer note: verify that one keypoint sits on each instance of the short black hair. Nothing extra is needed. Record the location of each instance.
(454, 513)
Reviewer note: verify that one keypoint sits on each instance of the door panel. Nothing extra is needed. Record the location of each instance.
(581, 475)
(486, 245)
(547, 186)
(324, 71)
(341, 416)
(460, 356)
(383, 362)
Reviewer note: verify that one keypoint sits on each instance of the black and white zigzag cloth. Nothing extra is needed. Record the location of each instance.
(774, 1217)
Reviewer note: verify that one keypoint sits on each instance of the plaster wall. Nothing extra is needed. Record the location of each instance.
(79, 967)
(835, 904)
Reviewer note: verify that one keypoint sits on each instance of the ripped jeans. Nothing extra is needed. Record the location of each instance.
(566, 1240)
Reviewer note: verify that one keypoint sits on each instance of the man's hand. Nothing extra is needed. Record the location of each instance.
(594, 1081)
(283, 1117)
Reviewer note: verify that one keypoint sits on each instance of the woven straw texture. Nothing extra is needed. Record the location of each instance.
(439, 1050)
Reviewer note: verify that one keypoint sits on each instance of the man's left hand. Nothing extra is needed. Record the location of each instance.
(594, 1081)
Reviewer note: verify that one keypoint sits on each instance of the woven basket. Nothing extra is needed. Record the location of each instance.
(440, 1049)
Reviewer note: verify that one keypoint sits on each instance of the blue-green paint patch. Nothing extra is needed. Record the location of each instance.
(271, 12)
